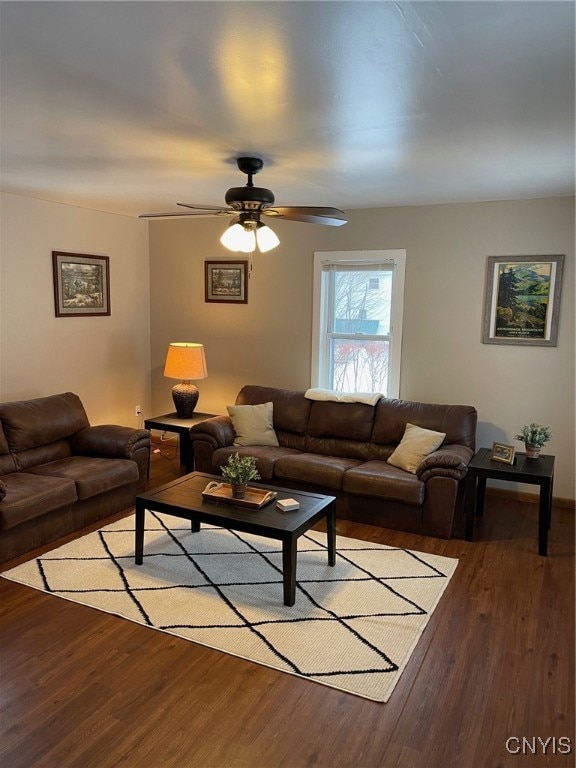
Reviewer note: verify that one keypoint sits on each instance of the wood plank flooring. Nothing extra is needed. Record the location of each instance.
(83, 689)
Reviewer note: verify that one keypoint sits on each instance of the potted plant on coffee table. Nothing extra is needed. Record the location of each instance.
(238, 471)
(534, 436)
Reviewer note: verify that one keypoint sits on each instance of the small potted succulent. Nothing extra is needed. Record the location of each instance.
(534, 436)
(238, 471)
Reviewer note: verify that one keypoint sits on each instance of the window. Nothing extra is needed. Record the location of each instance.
(357, 335)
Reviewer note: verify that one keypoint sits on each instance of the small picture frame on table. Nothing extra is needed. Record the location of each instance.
(503, 453)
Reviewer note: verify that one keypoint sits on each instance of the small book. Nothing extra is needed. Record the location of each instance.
(288, 505)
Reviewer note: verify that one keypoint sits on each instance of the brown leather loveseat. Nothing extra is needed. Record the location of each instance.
(58, 474)
(342, 448)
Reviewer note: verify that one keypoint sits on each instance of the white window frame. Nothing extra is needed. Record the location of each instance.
(397, 258)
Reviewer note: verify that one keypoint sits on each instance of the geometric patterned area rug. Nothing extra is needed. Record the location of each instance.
(353, 626)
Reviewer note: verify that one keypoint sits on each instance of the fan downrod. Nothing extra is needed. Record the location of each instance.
(250, 166)
(249, 197)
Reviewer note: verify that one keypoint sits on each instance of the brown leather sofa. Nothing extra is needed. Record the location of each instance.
(342, 448)
(58, 473)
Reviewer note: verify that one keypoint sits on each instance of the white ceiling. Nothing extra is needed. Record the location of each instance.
(130, 107)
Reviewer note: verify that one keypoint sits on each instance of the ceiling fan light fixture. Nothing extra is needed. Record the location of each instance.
(266, 238)
(238, 238)
(247, 204)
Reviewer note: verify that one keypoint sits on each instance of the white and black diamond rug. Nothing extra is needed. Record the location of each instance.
(353, 626)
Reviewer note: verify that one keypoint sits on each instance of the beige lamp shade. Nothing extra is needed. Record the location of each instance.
(185, 361)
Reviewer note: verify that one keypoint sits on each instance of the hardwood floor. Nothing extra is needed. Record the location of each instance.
(81, 688)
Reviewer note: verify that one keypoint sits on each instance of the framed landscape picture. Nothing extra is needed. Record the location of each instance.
(522, 300)
(81, 284)
(502, 452)
(226, 281)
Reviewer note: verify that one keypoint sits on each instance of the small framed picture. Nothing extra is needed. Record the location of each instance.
(226, 281)
(81, 284)
(503, 453)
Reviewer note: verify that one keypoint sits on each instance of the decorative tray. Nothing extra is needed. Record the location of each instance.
(255, 498)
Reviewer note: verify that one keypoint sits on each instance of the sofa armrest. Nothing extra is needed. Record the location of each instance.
(447, 461)
(110, 441)
(218, 432)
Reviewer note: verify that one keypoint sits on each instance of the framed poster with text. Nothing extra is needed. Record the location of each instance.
(522, 300)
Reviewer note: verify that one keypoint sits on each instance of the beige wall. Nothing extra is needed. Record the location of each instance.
(268, 341)
(116, 362)
(105, 360)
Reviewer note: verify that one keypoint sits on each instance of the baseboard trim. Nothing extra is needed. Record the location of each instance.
(529, 498)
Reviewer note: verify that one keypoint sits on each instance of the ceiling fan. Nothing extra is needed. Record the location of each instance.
(247, 205)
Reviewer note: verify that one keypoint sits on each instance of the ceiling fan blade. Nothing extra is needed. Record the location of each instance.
(333, 217)
(183, 214)
(205, 207)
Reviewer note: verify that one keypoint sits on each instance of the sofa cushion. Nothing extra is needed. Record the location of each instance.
(4, 449)
(327, 471)
(7, 463)
(31, 423)
(91, 475)
(331, 446)
(380, 479)
(2, 489)
(457, 421)
(253, 424)
(42, 454)
(291, 408)
(29, 496)
(351, 421)
(416, 444)
(266, 457)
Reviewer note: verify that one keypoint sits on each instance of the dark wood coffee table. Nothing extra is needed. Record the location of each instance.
(183, 498)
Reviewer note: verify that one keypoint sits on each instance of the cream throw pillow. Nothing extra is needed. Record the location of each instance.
(253, 424)
(416, 444)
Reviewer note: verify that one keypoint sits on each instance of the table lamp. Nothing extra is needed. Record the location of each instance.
(185, 361)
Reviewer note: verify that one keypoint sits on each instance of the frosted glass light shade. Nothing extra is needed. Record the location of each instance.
(244, 238)
(236, 238)
(266, 238)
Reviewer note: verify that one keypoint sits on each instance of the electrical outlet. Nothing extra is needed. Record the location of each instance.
(138, 411)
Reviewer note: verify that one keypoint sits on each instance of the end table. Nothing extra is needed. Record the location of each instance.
(171, 422)
(534, 471)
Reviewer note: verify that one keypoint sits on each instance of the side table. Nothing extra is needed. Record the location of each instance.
(534, 471)
(171, 422)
